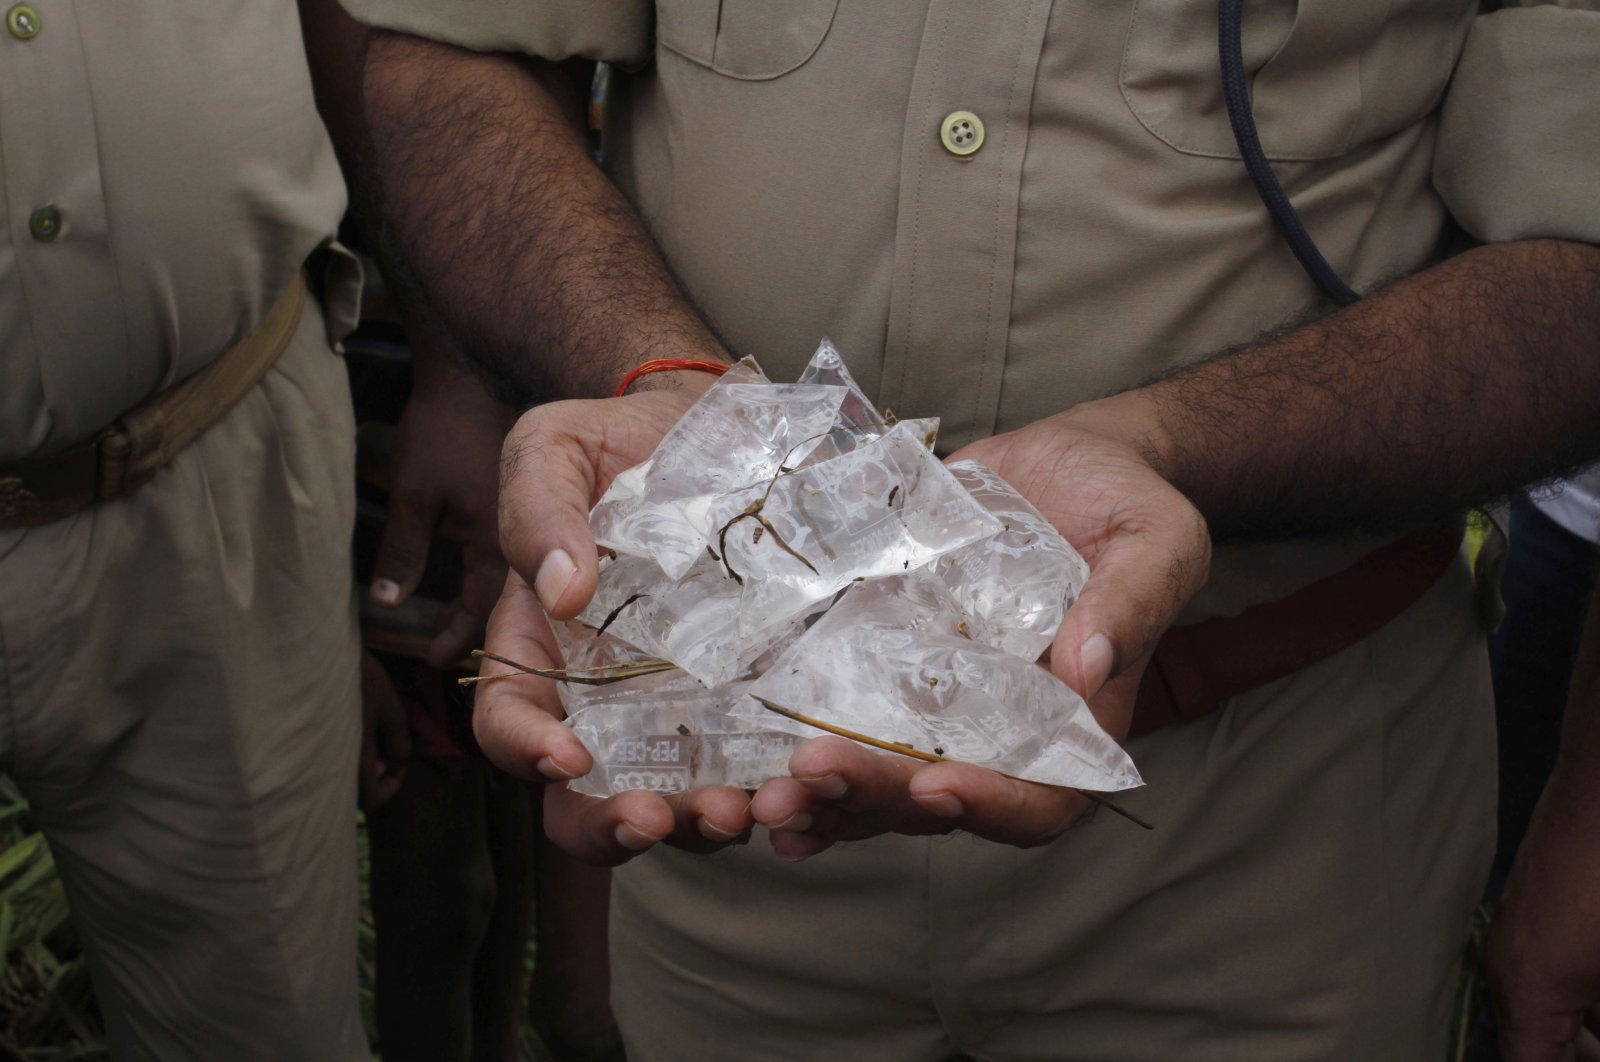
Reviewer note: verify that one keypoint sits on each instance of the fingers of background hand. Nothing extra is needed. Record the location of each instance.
(463, 621)
(461, 632)
(547, 483)
(403, 550)
(394, 736)
(371, 783)
(377, 777)
(1140, 581)
(516, 720)
(1536, 1020)
(994, 806)
(606, 832)
(379, 791)
(1540, 1041)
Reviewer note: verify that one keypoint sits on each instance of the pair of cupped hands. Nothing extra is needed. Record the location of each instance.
(1147, 549)
(1089, 470)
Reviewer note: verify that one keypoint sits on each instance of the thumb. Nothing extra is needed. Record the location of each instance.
(1137, 586)
(547, 480)
(403, 550)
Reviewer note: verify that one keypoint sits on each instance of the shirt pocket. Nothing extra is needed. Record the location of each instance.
(1325, 75)
(752, 40)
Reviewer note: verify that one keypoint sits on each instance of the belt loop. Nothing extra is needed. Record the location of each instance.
(114, 449)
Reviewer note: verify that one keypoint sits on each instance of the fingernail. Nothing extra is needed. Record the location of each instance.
(943, 804)
(386, 591)
(1096, 657)
(631, 839)
(799, 822)
(827, 786)
(550, 768)
(554, 575)
(714, 832)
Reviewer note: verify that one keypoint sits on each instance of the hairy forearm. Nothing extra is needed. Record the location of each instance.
(537, 262)
(1453, 386)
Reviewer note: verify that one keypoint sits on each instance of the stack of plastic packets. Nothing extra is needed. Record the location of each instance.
(785, 544)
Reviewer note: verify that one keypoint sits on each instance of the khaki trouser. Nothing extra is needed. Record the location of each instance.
(1320, 846)
(180, 705)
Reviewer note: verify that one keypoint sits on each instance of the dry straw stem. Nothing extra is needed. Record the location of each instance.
(600, 675)
(932, 757)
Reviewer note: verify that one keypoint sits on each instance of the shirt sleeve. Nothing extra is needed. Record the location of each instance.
(1519, 137)
(615, 31)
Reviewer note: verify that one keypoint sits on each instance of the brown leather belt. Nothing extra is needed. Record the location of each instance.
(41, 490)
(1198, 667)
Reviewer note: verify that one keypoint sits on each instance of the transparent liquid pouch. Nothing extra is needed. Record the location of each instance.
(788, 542)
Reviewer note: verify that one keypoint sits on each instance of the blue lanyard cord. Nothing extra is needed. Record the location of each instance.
(1237, 94)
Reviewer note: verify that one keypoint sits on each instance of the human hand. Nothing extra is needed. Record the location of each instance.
(558, 460)
(385, 736)
(1544, 945)
(1148, 552)
(443, 478)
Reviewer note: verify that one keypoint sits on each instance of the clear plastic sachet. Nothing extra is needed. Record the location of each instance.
(729, 549)
(662, 731)
(738, 435)
(898, 659)
(1021, 580)
(771, 542)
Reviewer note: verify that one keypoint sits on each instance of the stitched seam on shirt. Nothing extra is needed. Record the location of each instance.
(916, 217)
(1150, 123)
(1358, 118)
(978, 401)
(111, 239)
(19, 219)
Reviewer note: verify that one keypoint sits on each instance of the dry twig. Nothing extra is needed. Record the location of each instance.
(932, 757)
(599, 675)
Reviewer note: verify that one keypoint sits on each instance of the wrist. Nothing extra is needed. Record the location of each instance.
(1133, 419)
(680, 370)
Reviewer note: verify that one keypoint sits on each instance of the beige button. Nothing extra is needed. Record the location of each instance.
(961, 133)
(23, 22)
(45, 223)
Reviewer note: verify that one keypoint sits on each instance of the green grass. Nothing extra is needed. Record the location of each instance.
(47, 1008)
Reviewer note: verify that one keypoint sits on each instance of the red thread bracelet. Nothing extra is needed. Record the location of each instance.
(715, 368)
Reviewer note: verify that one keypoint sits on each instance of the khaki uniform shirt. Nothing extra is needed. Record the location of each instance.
(163, 173)
(804, 165)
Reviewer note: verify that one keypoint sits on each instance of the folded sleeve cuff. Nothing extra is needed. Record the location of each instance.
(615, 31)
(1519, 137)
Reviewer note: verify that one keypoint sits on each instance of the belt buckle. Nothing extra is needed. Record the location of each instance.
(41, 490)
